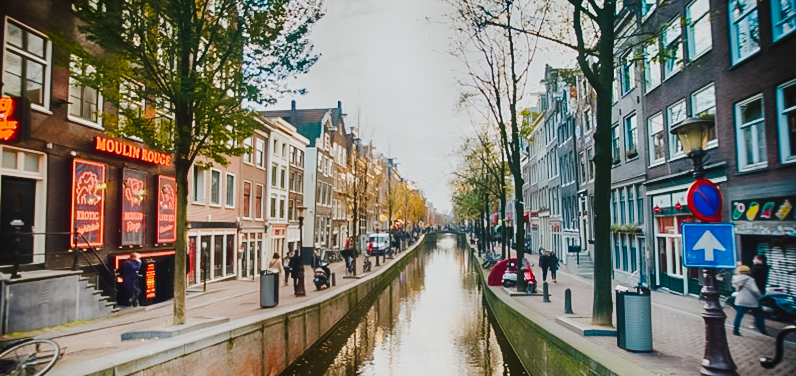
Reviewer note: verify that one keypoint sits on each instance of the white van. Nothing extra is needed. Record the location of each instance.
(381, 242)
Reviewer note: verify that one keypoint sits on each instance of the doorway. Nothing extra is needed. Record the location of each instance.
(18, 203)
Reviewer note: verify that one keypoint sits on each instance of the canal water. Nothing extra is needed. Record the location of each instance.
(431, 320)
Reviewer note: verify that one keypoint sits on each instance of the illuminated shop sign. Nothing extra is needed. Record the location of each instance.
(167, 209)
(764, 209)
(133, 204)
(88, 201)
(149, 277)
(131, 151)
(13, 116)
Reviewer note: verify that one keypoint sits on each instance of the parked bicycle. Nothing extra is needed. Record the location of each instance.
(490, 259)
(28, 356)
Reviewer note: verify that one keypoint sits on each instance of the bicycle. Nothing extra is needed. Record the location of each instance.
(28, 356)
(490, 259)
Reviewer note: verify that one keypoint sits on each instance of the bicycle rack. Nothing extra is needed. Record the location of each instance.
(769, 363)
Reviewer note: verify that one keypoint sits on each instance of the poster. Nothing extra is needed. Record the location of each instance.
(167, 209)
(88, 202)
(133, 204)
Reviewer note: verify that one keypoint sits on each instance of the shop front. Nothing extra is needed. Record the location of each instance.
(157, 277)
(670, 211)
(767, 226)
(212, 248)
(251, 249)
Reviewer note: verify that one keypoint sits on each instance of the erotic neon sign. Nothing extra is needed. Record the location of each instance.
(8, 126)
(88, 198)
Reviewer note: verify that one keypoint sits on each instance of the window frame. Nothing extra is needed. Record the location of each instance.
(651, 64)
(259, 194)
(690, 31)
(248, 156)
(227, 192)
(775, 6)
(247, 207)
(735, 56)
(787, 151)
(676, 41)
(195, 186)
(46, 62)
(692, 98)
(740, 145)
(616, 158)
(673, 141)
(628, 74)
(656, 161)
(70, 106)
(628, 135)
(259, 153)
(220, 188)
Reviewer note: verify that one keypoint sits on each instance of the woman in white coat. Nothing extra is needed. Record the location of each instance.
(747, 297)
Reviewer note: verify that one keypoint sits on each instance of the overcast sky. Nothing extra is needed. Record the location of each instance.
(388, 62)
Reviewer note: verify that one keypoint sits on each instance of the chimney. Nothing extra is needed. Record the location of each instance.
(293, 105)
(340, 106)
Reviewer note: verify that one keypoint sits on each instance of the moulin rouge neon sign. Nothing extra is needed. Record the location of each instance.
(131, 151)
(88, 202)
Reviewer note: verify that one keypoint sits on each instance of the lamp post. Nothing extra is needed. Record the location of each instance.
(299, 285)
(17, 224)
(693, 136)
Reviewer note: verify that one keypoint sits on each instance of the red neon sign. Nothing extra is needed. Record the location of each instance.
(149, 275)
(131, 151)
(88, 202)
(133, 204)
(121, 258)
(167, 209)
(8, 123)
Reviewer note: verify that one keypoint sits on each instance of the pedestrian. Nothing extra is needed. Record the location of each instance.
(552, 263)
(286, 268)
(276, 263)
(746, 298)
(544, 263)
(348, 254)
(760, 272)
(130, 270)
(296, 272)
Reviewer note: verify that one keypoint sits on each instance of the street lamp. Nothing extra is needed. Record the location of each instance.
(299, 287)
(693, 135)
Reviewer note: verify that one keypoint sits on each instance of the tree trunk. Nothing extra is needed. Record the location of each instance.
(182, 167)
(602, 311)
(503, 231)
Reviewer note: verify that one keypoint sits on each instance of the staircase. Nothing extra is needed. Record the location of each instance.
(586, 267)
(92, 304)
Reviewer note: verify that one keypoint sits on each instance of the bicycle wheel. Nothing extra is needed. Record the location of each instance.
(30, 358)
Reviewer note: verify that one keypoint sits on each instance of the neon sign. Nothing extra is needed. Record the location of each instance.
(133, 203)
(149, 275)
(88, 202)
(131, 151)
(8, 123)
(167, 209)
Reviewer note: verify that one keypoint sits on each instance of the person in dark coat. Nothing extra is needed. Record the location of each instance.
(544, 263)
(760, 273)
(130, 274)
(552, 263)
(296, 272)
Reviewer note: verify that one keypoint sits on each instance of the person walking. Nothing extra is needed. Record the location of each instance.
(286, 268)
(130, 270)
(296, 273)
(552, 263)
(760, 272)
(276, 263)
(746, 298)
(544, 263)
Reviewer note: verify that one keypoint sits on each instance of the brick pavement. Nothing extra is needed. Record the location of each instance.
(234, 299)
(678, 330)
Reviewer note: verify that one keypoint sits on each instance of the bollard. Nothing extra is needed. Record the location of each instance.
(377, 260)
(568, 301)
(545, 293)
(334, 280)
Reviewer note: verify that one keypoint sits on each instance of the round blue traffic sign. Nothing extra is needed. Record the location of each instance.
(705, 200)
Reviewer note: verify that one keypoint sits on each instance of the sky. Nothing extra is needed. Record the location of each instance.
(388, 62)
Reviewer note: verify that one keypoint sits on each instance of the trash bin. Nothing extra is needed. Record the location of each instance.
(634, 319)
(269, 288)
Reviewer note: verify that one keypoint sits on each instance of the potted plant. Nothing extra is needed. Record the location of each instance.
(615, 161)
(631, 154)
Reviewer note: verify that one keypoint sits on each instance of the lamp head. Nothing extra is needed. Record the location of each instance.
(301, 211)
(693, 133)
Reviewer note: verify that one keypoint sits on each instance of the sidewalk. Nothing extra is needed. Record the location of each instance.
(233, 299)
(678, 330)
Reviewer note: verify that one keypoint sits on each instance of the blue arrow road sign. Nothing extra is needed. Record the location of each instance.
(709, 245)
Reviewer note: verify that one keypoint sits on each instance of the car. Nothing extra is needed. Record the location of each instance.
(381, 243)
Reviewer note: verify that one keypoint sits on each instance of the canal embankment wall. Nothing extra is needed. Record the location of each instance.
(263, 344)
(543, 346)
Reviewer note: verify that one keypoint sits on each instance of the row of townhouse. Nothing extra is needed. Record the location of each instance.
(732, 62)
(60, 170)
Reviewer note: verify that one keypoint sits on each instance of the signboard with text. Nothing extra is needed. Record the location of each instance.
(88, 202)
(133, 204)
(167, 209)
(149, 278)
(14, 114)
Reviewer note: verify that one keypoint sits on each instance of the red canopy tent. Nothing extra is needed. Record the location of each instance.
(496, 274)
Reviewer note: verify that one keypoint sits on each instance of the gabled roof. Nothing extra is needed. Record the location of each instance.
(309, 122)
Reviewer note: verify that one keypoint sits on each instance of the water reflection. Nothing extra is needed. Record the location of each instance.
(430, 320)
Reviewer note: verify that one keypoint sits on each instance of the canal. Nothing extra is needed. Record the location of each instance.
(430, 320)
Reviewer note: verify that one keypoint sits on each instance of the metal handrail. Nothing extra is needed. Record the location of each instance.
(769, 363)
(111, 286)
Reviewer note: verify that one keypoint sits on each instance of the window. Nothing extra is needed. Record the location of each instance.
(292, 155)
(282, 208)
(290, 205)
(587, 119)
(786, 108)
(247, 199)
(703, 106)
(247, 143)
(274, 171)
(615, 144)
(657, 146)
(291, 183)
(613, 207)
(630, 210)
(26, 61)
(258, 201)
(621, 193)
(284, 150)
(631, 137)
(300, 159)
(628, 79)
(84, 102)
(590, 161)
(215, 187)
(276, 145)
(260, 153)
(750, 131)
(282, 178)
(198, 185)
(300, 184)
(783, 17)
(744, 29)
(640, 205)
(230, 191)
(674, 115)
(673, 49)
(647, 7)
(273, 207)
(698, 32)
(130, 103)
(615, 92)
(652, 66)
